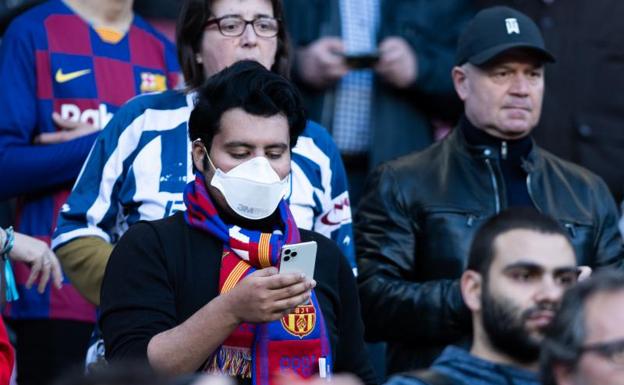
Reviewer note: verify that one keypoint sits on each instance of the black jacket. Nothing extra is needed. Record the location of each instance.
(583, 115)
(417, 219)
(162, 272)
(400, 118)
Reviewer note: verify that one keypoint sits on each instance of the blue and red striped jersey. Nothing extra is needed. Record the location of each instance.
(52, 60)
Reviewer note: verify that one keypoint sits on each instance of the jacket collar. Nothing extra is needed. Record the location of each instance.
(476, 144)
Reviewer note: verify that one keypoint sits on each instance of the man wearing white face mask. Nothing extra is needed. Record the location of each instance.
(199, 291)
(252, 189)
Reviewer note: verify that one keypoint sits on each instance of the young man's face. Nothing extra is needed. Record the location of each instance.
(526, 280)
(505, 97)
(242, 137)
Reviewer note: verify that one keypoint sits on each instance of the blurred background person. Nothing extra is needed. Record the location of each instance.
(376, 73)
(584, 344)
(66, 67)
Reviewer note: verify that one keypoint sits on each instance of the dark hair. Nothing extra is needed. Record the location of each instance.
(482, 248)
(565, 336)
(251, 87)
(189, 31)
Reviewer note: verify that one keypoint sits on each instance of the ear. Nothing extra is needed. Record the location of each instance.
(198, 154)
(460, 81)
(471, 286)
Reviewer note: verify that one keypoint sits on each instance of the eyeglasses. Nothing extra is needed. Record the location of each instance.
(234, 26)
(613, 351)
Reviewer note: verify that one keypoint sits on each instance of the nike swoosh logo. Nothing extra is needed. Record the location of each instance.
(60, 77)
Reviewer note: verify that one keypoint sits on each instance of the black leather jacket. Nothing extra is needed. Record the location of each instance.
(416, 221)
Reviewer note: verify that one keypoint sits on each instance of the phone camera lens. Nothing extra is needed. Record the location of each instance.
(286, 259)
(287, 251)
(294, 254)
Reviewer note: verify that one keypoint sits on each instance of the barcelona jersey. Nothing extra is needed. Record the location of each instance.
(52, 60)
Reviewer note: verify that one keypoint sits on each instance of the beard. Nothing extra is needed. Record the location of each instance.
(504, 324)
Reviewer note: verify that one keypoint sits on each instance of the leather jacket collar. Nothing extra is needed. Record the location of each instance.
(483, 146)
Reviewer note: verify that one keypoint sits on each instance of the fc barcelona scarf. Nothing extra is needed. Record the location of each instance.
(297, 342)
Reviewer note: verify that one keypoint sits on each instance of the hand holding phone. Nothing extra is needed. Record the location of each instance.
(298, 258)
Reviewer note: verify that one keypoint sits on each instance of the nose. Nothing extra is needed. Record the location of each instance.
(519, 85)
(249, 37)
(549, 291)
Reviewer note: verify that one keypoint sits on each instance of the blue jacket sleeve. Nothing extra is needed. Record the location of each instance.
(25, 167)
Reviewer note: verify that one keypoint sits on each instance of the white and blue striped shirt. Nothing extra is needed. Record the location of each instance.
(140, 164)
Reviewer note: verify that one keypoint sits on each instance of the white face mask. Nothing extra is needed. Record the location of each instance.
(252, 189)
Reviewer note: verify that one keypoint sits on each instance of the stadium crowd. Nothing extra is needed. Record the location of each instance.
(308, 191)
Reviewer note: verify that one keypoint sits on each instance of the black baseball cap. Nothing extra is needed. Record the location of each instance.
(498, 29)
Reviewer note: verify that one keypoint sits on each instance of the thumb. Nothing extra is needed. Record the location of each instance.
(334, 44)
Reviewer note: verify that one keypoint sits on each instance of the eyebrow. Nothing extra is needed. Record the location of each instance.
(255, 16)
(539, 268)
(248, 145)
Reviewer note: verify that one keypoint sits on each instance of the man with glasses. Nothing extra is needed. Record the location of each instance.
(519, 266)
(585, 342)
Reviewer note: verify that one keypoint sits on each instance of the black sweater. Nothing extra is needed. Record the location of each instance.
(162, 272)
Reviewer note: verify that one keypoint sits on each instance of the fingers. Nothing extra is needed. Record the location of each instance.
(50, 138)
(279, 281)
(267, 272)
(285, 306)
(332, 44)
(64, 136)
(69, 129)
(294, 290)
(57, 273)
(64, 124)
(35, 269)
(398, 62)
(45, 273)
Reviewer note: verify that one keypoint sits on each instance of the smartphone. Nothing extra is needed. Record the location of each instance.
(361, 60)
(298, 258)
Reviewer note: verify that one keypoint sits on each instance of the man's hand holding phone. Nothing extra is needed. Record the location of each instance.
(265, 295)
(321, 64)
(398, 63)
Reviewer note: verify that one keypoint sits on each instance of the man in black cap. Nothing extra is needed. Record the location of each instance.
(420, 212)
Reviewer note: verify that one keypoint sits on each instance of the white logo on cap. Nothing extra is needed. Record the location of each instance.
(512, 26)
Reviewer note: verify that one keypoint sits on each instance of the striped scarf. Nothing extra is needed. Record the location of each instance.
(298, 341)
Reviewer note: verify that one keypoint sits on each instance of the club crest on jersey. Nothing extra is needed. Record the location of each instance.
(300, 322)
(151, 82)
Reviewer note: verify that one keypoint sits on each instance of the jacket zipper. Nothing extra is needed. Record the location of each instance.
(528, 182)
(504, 150)
(494, 185)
